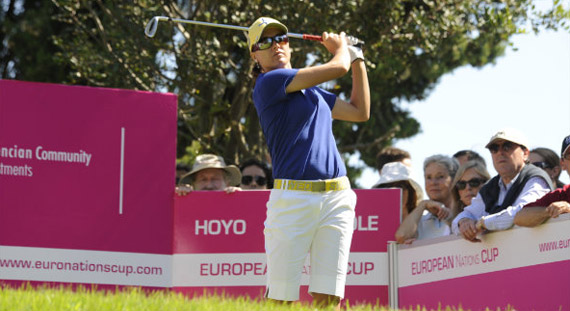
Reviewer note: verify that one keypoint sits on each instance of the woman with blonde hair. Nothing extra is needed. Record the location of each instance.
(470, 177)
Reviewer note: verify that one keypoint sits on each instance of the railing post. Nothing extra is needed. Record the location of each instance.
(393, 275)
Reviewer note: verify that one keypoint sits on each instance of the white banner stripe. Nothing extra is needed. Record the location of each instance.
(82, 266)
(135, 269)
(250, 269)
(122, 171)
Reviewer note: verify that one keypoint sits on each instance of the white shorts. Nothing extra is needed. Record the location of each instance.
(299, 222)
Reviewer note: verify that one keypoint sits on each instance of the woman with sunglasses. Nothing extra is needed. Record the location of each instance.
(255, 175)
(470, 177)
(549, 161)
(311, 206)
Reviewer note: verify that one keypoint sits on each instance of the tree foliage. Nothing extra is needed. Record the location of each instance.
(27, 49)
(409, 46)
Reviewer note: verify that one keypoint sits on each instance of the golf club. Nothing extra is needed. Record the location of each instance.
(152, 25)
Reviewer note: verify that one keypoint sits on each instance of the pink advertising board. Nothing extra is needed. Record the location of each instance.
(526, 268)
(86, 197)
(86, 184)
(219, 244)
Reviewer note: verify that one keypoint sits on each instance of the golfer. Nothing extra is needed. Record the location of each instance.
(311, 208)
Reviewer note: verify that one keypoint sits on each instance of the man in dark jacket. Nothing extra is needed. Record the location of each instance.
(517, 184)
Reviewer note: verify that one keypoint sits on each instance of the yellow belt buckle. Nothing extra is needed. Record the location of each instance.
(315, 186)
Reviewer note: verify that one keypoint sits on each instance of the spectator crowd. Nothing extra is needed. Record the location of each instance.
(460, 196)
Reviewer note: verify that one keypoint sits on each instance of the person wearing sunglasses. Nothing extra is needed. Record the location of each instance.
(498, 201)
(311, 206)
(552, 204)
(470, 177)
(549, 161)
(255, 175)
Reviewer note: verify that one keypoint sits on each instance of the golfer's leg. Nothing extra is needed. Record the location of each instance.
(331, 245)
(289, 228)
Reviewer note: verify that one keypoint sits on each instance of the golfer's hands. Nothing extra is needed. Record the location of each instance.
(468, 229)
(556, 208)
(334, 43)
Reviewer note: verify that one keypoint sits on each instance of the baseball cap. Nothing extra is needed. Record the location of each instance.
(511, 135)
(205, 161)
(256, 29)
(565, 145)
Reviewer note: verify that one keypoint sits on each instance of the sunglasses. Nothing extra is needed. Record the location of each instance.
(542, 165)
(506, 146)
(246, 180)
(267, 42)
(473, 183)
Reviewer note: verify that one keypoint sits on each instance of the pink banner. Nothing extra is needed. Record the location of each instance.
(219, 244)
(539, 287)
(86, 197)
(526, 268)
(86, 168)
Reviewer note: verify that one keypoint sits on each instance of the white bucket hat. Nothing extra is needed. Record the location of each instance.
(398, 171)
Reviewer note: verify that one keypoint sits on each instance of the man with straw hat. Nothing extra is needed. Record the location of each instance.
(210, 173)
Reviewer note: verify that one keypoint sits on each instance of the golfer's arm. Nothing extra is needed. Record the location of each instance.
(358, 109)
(308, 77)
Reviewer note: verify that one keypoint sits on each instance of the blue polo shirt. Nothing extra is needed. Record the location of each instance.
(297, 127)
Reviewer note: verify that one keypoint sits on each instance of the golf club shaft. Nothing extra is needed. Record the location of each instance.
(152, 25)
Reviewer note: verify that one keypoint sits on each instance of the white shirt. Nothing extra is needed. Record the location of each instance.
(430, 226)
(534, 189)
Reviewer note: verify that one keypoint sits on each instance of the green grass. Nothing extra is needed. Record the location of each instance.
(82, 299)
(30, 298)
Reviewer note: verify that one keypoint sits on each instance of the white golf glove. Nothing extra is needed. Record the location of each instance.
(355, 53)
(350, 40)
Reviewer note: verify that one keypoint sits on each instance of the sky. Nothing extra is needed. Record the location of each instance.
(527, 89)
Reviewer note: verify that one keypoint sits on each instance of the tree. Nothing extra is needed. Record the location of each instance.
(26, 52)
(409, 46)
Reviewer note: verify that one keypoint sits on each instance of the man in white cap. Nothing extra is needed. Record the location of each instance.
(517, 184)
(209, 173)
(552, 204)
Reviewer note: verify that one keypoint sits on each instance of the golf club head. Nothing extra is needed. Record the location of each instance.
(150, 29)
